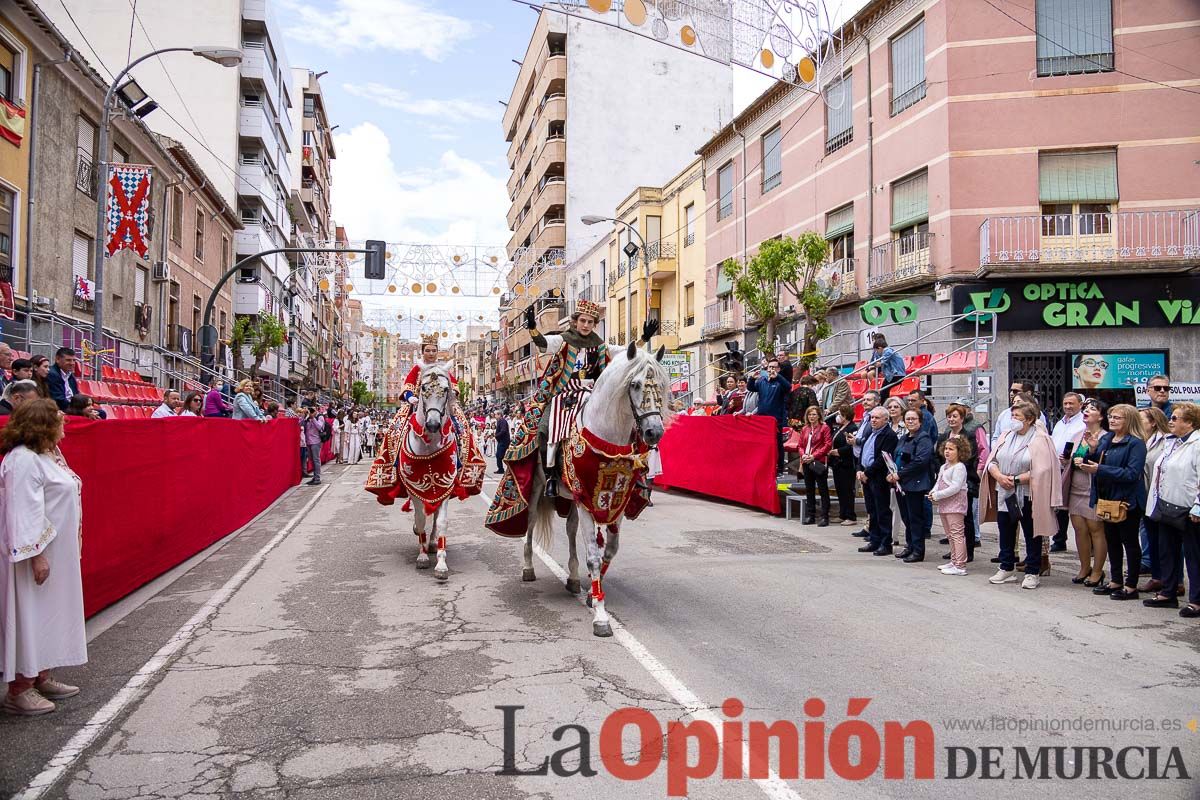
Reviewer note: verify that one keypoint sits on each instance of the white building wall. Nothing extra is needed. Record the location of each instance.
(207, 116)
(636, 111)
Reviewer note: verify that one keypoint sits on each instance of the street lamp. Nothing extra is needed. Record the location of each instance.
(226, 57)
(630, 250)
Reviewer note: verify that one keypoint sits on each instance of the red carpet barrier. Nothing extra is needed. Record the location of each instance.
(728, 457)
(156, 492)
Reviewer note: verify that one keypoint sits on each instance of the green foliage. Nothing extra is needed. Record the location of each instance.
(360, 394)
(261, 334)
(783, 264)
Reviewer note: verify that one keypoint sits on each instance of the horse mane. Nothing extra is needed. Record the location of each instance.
(618, 374)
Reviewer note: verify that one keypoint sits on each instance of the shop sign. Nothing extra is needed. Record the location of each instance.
(1180, 393)
(678, 365)
(1144, 302)
(1092, 370)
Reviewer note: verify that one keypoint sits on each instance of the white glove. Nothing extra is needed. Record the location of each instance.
(412, 401)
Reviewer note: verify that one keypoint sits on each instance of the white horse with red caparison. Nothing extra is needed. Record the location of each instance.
(428, 448)
(627, 406)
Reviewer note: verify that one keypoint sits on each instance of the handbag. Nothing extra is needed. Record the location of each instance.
(1112, 510)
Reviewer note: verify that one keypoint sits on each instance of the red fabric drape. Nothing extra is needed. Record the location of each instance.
(728, 457)
(156, 492)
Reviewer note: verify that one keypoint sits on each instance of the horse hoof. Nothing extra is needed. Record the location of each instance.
(601, 629)
(441, 575)
(573, 587)
(423, 565)
(527, 574)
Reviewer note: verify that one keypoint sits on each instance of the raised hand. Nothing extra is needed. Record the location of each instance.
(530, 319)
(649, 328)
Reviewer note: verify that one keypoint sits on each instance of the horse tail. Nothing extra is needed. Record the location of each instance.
(542, 523)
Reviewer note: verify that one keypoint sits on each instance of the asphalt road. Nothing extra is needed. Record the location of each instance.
(307, 657)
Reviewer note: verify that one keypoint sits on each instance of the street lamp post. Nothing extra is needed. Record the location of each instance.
(592, 219)
(226, 57)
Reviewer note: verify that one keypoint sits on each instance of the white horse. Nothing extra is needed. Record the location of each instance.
(627, 404)
(430, 435)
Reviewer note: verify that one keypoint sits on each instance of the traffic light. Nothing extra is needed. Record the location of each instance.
(376, 259)
(735, 359)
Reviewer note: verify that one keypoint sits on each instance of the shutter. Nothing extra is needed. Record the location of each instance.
(80, 257)
(910, 201)
(139, 286)
(85, 136)
(839, 119)
(908, 59)
(839, 222)
(724, 283)
(1074, 36)
(1078, 177)
(772, 157)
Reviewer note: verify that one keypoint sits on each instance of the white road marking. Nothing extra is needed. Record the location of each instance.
(139, 684)
(772, 786)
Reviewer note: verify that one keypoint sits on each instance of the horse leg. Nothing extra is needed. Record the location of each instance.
(596, 565)
(527, 573)
(441, 524)
(422, 539)
(573, 561)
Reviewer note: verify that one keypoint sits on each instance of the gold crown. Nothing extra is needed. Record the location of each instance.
(593, 310)
(429, 338)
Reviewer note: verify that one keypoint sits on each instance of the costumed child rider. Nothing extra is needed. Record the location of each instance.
(579, 356)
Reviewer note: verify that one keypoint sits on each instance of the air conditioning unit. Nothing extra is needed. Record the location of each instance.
(943, 293)
(162, 272)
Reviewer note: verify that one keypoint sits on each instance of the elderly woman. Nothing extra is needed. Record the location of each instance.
(1154, 423)
(41, 589)
(1172, 513)
(1022, 485)
(1090, 541)
(1116, 476)
(244, 406)
(914, 476)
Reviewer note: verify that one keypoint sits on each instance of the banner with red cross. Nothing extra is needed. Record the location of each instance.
(128, 208)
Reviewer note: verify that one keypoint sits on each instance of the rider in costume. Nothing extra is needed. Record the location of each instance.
(579, 355)
(382, 479)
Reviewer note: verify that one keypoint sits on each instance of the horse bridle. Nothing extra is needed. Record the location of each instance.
(644, 415)
(421, 429)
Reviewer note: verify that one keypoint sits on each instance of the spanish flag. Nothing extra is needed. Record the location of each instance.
(12, 122)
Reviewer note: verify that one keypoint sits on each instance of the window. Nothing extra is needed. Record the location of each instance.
(839, 114)
(1074, 36)
(689, 304)
(653, 230)
(1077, 191)
(119, 155)
(910, 212)
(772, 159)
(308, 138)
(689, 224)
(199, 234)
(196, 324)
(140, 281)
(839, 232)
(908, 67)
(7, 199)
(224, 254)
(725, 190)
(85, 170)
(81, 257)
(177, 216)
(310, 105)
(8, 73)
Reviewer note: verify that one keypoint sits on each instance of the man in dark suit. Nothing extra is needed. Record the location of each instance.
(503, 439)
(872, 473)
(61, 379)
(774, 394)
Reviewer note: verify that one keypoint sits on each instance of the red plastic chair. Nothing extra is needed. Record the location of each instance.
(906, 386)
(859, 413)
(917, 363)
(858, 387)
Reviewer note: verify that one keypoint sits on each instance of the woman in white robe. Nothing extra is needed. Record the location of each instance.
(338, 429)
(355, 439)
(41, 587)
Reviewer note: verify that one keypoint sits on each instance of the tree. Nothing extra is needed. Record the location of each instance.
(790, 264)
(260, 334)
(360, 394)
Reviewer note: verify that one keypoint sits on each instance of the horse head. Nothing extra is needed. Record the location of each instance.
(635, 389)
(434, 400)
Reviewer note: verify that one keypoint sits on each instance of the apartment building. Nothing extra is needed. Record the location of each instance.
(236, 122)
(1035, 162)
(151, 302)
(591, 107)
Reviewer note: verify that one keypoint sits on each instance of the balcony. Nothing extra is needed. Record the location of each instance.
(718, 322)
(1160, 239)
(901, 263)
(85, 174)
(255, 123)
(661, 256)
(842, 274)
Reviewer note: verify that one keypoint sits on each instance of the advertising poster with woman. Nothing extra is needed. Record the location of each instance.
(1112, 376)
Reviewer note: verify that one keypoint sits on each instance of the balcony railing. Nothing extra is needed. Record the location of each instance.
(844, 270)
(905, 261)
(660, 251)
(1124, 237)
(839, 140)
(689, 240)
(718, 321)
(85, 174)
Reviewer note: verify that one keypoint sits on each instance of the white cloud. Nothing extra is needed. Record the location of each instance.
(401, 25)
(390, 97)
(456, 202)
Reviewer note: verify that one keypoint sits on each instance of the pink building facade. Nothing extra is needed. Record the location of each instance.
(1043, 162)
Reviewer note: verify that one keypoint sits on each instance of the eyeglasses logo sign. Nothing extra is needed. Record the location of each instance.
(899, 312)
(984, 304)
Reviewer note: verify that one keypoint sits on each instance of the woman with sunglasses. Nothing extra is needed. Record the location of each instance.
(192, 405)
